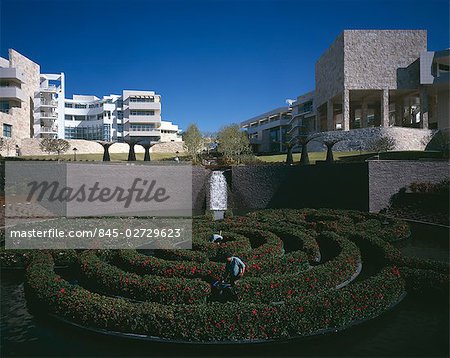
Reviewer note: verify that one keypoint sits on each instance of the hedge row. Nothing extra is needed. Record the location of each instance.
(206, 322)
(20, 258)
(112, 280)
(272, 288)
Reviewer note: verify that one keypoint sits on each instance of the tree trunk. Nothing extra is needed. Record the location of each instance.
(131, 153)
(330, 158)
(289, 157)
(304, 160)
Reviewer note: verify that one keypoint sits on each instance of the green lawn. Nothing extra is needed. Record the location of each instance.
(313, 156)
(98, 157)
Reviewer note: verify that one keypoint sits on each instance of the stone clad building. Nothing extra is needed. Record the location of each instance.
(19, 79)
(369, 81)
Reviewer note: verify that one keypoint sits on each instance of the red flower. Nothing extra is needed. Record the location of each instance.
(62, 290)
(254, 312)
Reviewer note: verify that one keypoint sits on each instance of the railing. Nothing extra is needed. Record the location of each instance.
(52, 88)
(47, 115)
(49, 129)
(44, 102)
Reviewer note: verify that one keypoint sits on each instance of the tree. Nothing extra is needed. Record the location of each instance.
(7, 144)
(51, 145)
(382, 144)
(233, 143)
(193, 142)
(303, 139)
(329, 139)
(440, 142)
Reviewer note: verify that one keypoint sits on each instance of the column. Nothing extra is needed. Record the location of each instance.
(346, 109)
(330, 116)
(364, 111)
(385, 108)
(399, 112)
(424, 107)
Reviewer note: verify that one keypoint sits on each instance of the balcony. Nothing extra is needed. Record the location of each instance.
(12, 93)
(142, 119)
(10, 73)
(45, 115)
(144, 132)
(49, 130)
(40, 102)
(142, 105)
(50, 88)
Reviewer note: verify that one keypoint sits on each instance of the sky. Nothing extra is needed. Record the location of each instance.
(213, 62)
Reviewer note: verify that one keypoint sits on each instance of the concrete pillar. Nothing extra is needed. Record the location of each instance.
(399, 112)
(424, 107)
(330, 116)
(364, 111)
(346, 109)
(385, 108)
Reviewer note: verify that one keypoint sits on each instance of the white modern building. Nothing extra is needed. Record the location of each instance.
(33, 105)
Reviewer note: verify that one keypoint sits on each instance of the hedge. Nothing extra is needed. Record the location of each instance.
(210, 322)
(285, 292)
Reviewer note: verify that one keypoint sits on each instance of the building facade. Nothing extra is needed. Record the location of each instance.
(33, 105)
(374, 79)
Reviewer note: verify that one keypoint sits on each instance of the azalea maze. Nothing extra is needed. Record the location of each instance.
(308, 272)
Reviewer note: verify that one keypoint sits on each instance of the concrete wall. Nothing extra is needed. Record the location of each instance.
(372, 57)
(387, 177)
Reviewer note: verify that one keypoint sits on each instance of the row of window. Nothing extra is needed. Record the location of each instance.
(142, 113)
(142, 99)
(141, 127)
(100, 132)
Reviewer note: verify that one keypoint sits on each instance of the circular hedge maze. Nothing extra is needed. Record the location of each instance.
(308, 272)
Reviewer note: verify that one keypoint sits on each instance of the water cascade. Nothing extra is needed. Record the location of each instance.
(218, 194)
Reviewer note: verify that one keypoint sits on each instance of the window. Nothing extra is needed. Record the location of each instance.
(120, 127)
(4, 106)
(67, 117)
(119, 115)
(80, 118)
(80, 105)
(142, 113)
(68, 105)
(119, 103)
(142, 99)
(7, 130)
(141, 127)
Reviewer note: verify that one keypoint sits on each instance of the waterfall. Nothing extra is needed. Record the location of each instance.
(218, 194)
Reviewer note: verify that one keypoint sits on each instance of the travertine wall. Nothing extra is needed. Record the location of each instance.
(372, 57)
(22, 119)
(330, 72)
(30, 146)
(366, 59)
(405, 138)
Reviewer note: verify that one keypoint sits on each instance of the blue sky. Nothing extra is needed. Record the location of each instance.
(213, 62)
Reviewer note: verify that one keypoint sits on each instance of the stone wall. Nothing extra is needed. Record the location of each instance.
(279, 186)
(406, 138)
(372, 57)
(387, 177)
(21, 118)
(330, 72)
(30, 146)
